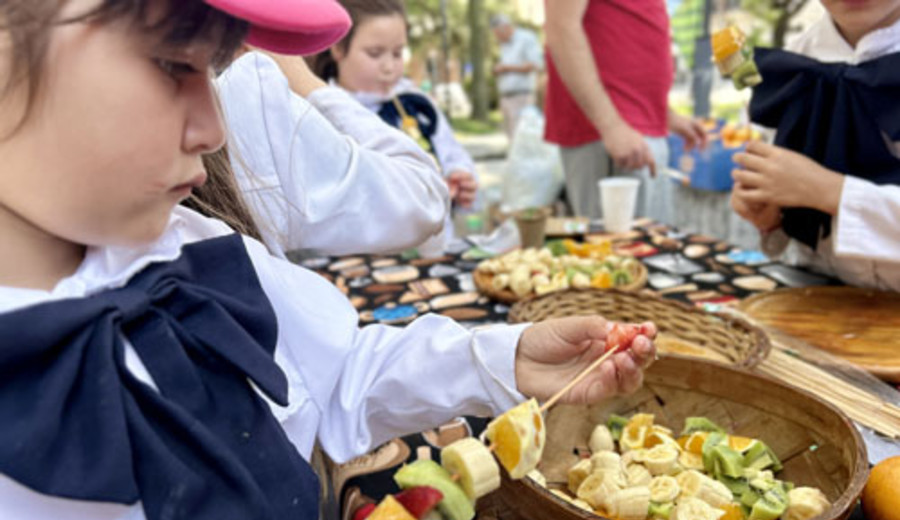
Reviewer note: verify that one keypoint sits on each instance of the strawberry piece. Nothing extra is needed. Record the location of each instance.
(419, 500)
(363, 511)
(621, 336)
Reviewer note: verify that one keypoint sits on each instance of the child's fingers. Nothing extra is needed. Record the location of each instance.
(747, 179)
(760, 148)
(749, 161)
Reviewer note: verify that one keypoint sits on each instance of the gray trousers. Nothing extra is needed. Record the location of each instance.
(586, 165)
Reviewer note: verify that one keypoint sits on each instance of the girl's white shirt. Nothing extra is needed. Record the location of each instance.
(350, 388)
(864, 246)
(326, 174)
(451, 155)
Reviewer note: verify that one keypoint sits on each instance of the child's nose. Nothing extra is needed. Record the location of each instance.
(204, 130)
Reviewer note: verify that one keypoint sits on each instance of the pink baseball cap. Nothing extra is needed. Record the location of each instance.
(289, 26)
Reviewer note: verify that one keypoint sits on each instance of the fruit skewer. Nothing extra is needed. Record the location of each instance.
(468, 469)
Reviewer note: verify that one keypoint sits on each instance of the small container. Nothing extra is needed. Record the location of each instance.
(532, 224)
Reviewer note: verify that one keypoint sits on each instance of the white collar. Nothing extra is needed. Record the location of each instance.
(110, 267)
(825, 43)
(373, 100)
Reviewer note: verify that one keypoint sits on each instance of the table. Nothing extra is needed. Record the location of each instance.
(696, 269)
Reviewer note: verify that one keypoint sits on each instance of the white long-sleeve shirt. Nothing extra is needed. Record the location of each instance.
(349, 388)
(325, 173)
(864, 246)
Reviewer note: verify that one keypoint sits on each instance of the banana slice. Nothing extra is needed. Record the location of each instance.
(689, 460)
(637, 475)
(697, 485)
(664, 489)
(478, 471)
(690, 508)
(631, 504)
(601, 439)
(661, 459)
(578, 473)
(606, 460)
(633, 456)
(805, 503)
(518, 438)
(598, 489)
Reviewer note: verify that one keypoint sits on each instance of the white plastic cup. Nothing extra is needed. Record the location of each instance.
(618, 199)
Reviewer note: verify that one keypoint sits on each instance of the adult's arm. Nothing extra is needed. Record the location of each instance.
(571, 52)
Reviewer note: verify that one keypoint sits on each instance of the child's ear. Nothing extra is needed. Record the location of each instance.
(337, 54)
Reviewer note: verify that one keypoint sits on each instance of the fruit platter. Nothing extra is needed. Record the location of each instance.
(561, 265)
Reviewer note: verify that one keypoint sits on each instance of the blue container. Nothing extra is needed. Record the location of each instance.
(708, 169)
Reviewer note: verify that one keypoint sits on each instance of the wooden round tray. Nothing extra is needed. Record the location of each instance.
(858, 325)
(684, 330)
(483, 283)
(817, 444)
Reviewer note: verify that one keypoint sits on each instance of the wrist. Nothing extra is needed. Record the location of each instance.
(832, 188)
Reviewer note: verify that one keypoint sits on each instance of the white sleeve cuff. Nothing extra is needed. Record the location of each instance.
(495, 350)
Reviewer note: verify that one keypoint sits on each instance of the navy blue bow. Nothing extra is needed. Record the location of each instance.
(416, 106)
(76, 423)
(834, 113)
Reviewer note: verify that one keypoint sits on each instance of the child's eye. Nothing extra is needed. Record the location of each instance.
(374, 53)
(176, 69)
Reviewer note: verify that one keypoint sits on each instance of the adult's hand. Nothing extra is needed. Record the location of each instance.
(627, 147)
(690, 129)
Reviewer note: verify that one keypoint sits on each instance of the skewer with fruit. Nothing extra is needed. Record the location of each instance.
(468, 468)
(734, 57)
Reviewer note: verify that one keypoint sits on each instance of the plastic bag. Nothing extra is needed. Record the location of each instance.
(534, 174)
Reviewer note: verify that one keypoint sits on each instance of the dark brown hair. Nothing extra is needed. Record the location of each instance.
(27, 25)
(360, 10)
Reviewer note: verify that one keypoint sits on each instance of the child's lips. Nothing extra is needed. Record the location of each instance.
(196, 181)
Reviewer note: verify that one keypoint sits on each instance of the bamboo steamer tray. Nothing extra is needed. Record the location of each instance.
(483, 283)
(858, 325)
(817, 444)
(683, 329)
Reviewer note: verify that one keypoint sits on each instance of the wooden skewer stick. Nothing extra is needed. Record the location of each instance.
(558, 395)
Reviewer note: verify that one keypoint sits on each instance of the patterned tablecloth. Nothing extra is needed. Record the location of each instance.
(696, 269)
(692, 268)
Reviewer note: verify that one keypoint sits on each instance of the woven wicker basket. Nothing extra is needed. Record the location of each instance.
(684, 330)
(818, 445)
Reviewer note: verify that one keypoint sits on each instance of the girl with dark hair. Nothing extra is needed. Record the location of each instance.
(368, 62)
(155, 364)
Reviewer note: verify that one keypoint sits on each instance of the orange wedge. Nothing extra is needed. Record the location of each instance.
(693, 443)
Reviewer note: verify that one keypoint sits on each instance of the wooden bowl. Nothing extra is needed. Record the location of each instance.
(483, 283)
(684, 329)
(858, 325)
(817, 444)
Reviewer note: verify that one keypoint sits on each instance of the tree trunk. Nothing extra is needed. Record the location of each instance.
(779, 32)
(477, 44)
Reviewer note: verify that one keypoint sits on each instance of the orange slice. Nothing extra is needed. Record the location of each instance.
(740, 444)
(693, 443)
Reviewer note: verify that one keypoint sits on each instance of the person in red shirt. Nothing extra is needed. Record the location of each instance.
(610, 70)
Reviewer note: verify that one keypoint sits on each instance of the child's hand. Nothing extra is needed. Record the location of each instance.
(463, 187)
(553, 352)
(766, 217)
(781, 177)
